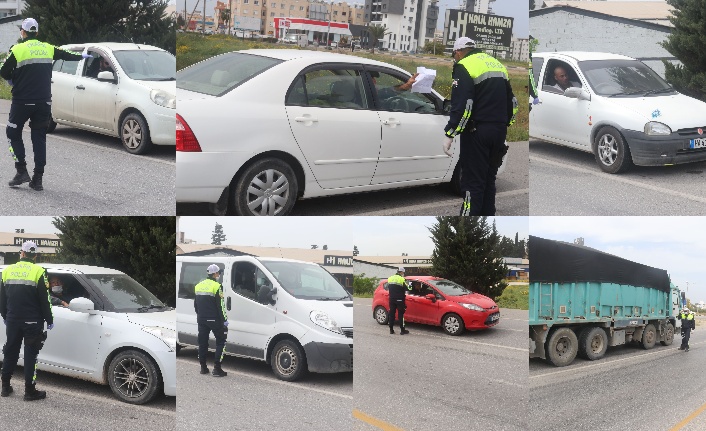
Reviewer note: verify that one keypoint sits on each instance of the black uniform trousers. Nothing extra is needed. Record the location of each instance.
(686, 334)
(477, 176)
(32, 335)
(396, 305)
(220, 332)
(39, 116)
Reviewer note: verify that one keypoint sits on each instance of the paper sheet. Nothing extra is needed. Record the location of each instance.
(424, 80)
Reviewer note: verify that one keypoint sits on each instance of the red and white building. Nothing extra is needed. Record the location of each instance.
(314, 29)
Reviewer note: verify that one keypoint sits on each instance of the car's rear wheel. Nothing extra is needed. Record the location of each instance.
(133, 377)
(288, 361)
(134, 134)
(265, 188)
(453, 324)
(611, 151)
(381, 315)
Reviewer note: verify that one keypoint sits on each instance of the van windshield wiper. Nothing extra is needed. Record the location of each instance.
(661, 90)
(149, 307)
(630, 93)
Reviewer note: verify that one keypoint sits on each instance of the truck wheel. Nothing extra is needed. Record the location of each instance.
(649, 337)
(593, 343)
(562, 347)
(288, 361)
(380, 315)
(668, 335)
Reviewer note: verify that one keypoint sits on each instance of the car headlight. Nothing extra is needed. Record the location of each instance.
(473, 307)
(325, 321)
(659, 129)
(162, 98)
(168, 336)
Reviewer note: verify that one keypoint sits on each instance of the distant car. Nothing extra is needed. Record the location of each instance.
(308, 124)
(134, 101)
(618, 109)
(439, 302)
(114, 332)
(334, 44)
(291, 38)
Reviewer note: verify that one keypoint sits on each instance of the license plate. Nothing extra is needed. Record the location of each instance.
(697, 143)
(494, 318)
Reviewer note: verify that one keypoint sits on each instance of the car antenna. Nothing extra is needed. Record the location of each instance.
(122, 34)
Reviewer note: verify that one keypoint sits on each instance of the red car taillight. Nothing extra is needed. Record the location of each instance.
(185, 139)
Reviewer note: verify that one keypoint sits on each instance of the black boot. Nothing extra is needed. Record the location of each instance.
(204, 368)
(36, 181)
(218, 371)
(31, 393)
(6, 388)
(21, 177)
(404, 331)
(392, 330)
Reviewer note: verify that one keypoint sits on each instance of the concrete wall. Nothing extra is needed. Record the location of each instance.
(369, 270)
(9, 33)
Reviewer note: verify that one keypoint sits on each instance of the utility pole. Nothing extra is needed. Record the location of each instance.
(329, 23)
(230, 15)
(203, 19)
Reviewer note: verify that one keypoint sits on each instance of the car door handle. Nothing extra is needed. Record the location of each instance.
(80, 87)
(391, 122)
(306, 119)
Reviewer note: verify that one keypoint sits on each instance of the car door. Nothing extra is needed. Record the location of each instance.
(63, 84)
(94, 100)
(329, 112)
(411, 125)
(562, 119)
(425, 310)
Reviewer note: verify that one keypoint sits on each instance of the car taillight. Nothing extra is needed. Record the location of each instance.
(185, 139)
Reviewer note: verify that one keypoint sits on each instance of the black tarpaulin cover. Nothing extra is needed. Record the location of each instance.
(562, 262)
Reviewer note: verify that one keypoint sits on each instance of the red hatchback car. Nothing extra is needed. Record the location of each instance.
(440, 302)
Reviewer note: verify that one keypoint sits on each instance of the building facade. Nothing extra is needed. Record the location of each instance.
(410, 22)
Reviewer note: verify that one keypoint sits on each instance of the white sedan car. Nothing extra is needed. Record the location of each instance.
(113, 332)
(130, 96)
(258, 129)
(616, 108)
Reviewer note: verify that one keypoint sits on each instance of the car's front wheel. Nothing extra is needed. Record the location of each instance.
(133, 377)
(453, 324)
(611, 151)
(265, 188)
(288, 361)
(134, 134)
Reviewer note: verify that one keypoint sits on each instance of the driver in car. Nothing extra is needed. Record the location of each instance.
(57, 295)
(561, 76)
(388, 92)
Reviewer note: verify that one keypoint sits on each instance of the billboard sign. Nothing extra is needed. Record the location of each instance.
(246, 23)
(491, 32)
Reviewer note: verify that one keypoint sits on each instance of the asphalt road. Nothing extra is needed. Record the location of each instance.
(512, 197)
(429, 380)
(89, 174)
(77, 405)
(568, 182)
(252, 398)
(629, 389)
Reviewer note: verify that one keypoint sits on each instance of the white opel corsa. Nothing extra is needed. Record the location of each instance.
(618, 109)
(134, 99)
(258, 129)
(113, 332)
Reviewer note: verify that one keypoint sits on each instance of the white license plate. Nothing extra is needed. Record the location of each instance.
(494, 318)
(697, 143)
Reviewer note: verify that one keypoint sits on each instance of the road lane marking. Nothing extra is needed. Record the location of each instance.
(574, 369)
(279, 382)
(377, 423)
(689, 418)
(505, 382)
(450, 338)
(435, 204)
(615, 178)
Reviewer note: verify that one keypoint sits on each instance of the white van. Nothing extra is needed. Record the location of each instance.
(293, 315)
(113, 332)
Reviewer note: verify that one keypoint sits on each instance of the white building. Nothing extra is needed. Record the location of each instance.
(410, 22)
(519, 50)
(11, 7)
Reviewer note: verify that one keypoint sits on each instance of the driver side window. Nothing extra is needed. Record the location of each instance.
(99, 63)
(391, 98)
(559, 76)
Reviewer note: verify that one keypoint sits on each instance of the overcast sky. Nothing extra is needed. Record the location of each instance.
(384, 236)
(675, 244)
(29, 224)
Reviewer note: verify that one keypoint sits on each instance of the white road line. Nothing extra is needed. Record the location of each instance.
(450, 338)
(507, 329)
(279, 382)
(610, 362)
(101, 147)
(505, 382)
(435, 204)
(615, 178)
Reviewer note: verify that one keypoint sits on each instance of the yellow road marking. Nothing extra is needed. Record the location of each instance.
(374, 422)
(689, 418)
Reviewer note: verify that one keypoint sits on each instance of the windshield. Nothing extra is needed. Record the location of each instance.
(218, 75)
(306, 281)
(623, 78)
(147, 65)
(449, 288)
(125, 294)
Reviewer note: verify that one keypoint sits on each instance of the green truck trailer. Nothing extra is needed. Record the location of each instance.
(582, 300)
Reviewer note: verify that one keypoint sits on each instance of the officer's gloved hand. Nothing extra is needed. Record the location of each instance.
(84, 55)
(536, 101)
(225, 323)
(50, 326)
(447, 145)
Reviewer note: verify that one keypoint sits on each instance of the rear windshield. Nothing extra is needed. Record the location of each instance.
(218, 75)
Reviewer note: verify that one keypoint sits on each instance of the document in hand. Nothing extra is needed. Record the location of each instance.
(424, 80)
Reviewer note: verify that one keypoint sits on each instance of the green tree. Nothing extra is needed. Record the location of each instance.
(72, 21)
(686, 42)
(433, 47)
(467, 251)
(141, 247)
(180, 21)
(377, 32)
(225, 17)
(217, 237)
(364, 286)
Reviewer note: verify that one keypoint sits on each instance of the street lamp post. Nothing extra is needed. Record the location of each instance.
(329, 24)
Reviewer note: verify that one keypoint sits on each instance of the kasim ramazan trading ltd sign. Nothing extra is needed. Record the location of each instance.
(490, 32)
(41, 242)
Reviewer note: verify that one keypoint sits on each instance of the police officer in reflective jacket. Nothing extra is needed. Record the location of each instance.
(687, 325)
(24, 306)
(397, 286)
(28, 70)
(482, 107)
(211, 317)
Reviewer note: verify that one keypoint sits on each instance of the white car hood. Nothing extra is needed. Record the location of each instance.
(676, 111)
(168, 86)
(340, 311)
(163, 319)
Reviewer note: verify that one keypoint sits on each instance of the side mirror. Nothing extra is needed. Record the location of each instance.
(577, 93)
(106, 76)
(431, 297)
(82, 305)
